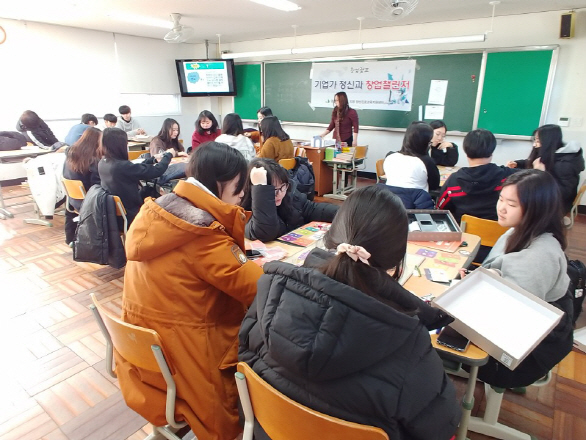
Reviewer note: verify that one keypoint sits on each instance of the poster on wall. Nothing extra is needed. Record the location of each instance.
(375, 85)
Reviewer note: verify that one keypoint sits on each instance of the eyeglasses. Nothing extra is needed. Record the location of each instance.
(283, 188)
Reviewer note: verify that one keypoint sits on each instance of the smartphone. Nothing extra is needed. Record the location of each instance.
(251, 254)
(452, 339)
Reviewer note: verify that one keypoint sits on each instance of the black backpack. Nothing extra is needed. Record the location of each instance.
(577, 274)
(302, 173)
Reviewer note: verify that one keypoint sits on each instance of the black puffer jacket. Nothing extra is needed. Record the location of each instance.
(41, 133)
(448, 157)
(341, 352)
(269, 221)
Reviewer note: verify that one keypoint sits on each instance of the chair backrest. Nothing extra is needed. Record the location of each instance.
(74, 188)
(299, 151)
(283, 418)
(581, 192)
(380, 172)
(288, 164)
(489, 231)
(135, 154)
(140, 346)
(360, 152)
(121, 212)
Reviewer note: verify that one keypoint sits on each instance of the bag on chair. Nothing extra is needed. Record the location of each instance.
(303, 174)
(577, 274)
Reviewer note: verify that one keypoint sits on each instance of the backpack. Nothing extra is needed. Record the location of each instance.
(577, 274)
(303, 174)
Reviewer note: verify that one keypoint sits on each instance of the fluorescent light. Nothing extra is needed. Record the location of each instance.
(139, 19)
(258, 53)
(359, 46)
(282, 5)
(442, 40)
(327, 48)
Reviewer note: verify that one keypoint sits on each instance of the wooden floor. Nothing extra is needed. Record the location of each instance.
(53, 385)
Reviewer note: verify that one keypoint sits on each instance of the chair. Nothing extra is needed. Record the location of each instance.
(136, 154)
(121, 212)
(380, 172)
(283, 418)
(143, 348)
(299, 151)
(489, 425)
(489, 231)
(574, 210)
(74, 189)
(288, 164)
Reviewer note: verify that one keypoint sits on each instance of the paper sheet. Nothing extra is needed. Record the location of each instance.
(434, 112)
(437, 92)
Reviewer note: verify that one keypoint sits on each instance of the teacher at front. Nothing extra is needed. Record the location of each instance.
(344, 121)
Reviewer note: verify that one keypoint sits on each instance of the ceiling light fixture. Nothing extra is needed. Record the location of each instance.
(282, 5)
(360, 46)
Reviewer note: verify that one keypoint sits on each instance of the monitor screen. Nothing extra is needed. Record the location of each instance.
(206, 77)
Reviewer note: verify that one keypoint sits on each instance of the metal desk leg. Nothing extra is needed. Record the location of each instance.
(335, 181)
(467, 404)
(4, 213)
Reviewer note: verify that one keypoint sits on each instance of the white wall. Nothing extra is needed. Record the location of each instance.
(568, 95)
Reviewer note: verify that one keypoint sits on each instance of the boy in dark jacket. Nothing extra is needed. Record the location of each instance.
(474, 190)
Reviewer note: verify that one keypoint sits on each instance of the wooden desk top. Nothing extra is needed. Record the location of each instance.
(471, 356)
(29, 151)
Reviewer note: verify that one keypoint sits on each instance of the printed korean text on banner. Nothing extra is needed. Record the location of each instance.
(380, 85)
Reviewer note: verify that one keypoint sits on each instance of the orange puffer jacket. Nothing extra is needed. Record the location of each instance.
(188, 279)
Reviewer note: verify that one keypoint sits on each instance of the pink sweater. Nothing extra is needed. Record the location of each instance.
(197, 139)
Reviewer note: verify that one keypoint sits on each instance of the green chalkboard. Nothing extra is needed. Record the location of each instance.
(288, 92)
(513, 92)
(248, 90)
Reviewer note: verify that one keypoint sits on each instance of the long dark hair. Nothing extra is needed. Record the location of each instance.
(417, 138)
(376, 219)
(115, 144)
(265, 111)
(232, 124)
(275, 172)
(539, 197)
(550, 139)
(166, 138)
(271, 127)
(209, 115)
(85, 151)
(341, 110)
(215, 164)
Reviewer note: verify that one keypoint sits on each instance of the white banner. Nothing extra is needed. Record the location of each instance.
(376, 85)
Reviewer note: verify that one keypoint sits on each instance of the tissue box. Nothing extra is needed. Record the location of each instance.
(580, 339)
(432, 225)
(498, 316)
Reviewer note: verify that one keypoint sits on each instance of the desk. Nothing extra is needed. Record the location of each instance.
(11, 168)
(139, 143)
(323, 173)
(446, 172)
(339, 189)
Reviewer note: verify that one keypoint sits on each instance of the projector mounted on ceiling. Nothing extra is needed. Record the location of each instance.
(179, 33)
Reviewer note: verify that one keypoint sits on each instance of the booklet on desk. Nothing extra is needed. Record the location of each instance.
(580, 339)
(306, 234)
(488, 310)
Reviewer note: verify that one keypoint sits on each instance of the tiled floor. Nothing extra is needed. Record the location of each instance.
(53, 383)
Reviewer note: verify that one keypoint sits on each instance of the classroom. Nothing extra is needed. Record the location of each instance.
(65, 58)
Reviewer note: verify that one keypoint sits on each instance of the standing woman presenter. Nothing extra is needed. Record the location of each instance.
(344, 121)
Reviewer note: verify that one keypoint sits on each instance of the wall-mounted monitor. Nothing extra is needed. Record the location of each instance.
(206, 77)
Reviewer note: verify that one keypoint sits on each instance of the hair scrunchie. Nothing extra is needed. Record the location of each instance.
(354, 252)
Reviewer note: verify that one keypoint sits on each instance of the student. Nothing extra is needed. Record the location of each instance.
(81, 163)
(277, 144)
(412, 167)
(121, 177)
(442, 152)
(256, 135)
(110, 120)
(167, 140)
(262, 113)
(277, 207)
(233, 135)
(35, 129)
(564, 162)
(475, 189)
(343, 338)
(531, 255)
(188, 279)
(127, 123)
(87, 120)
(206, 129)
(344, 121)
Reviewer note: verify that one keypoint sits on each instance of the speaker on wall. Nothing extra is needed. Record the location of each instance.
(567, 25)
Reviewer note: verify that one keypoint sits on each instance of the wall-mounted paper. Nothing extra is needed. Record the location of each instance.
(434, 112)
(437, 92)
(421, 113)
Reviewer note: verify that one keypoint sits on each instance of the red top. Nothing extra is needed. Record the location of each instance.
(346, 124)
(197, 139)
